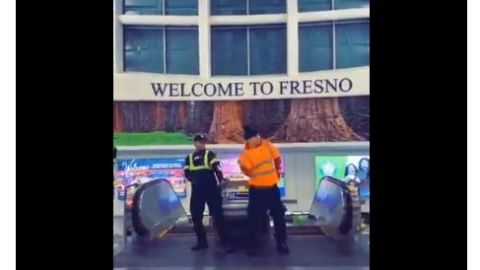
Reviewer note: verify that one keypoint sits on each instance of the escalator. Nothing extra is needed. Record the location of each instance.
(338, 213)
(156, 210)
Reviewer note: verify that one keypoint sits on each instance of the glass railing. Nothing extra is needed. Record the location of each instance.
(155, 208)
(333, 207)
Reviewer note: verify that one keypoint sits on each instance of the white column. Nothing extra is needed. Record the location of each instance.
(204, 38)
(117, 37)
(292, 37)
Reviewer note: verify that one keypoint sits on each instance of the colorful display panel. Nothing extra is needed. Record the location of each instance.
(346, 168)
(131, 171)
(140, 171)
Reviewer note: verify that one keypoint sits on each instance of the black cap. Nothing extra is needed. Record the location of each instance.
(200, 138)
(249, 132)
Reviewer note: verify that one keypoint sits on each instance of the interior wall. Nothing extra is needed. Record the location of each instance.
(299, 168)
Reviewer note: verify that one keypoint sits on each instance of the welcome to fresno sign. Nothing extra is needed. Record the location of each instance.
(333, 83)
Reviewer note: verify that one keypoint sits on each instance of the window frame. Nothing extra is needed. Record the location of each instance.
(332, 33)
(164, 10)
(163, 29)
(247, 10)
(248, 29)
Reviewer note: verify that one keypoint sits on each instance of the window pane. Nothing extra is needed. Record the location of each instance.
(181, 7)
(268, 49)
(182, 50)
(143, 7)
(342, 4)
(267, 6)
(228, 7)
(229, 50)
(352, 44)
(315, 47)
(143, 48)
(314, 5)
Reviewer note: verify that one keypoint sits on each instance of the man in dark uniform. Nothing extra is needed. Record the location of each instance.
(202, 169)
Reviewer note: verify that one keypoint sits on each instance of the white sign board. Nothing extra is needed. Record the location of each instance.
(161, 87)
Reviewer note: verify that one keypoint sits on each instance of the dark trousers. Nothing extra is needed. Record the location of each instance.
(260, 201)
(213, 198)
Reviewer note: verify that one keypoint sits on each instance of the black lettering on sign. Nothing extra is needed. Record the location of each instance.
(174, 90)
(307, 87)
(225, 91)
(266, 90)
(254, 87)
(157, 88)
(346, 85)
(210, 89)
(294, 86)
(239, 89)
(182, 91)
(319, 86)
(193, 89)
(283, 86)
(332, 85)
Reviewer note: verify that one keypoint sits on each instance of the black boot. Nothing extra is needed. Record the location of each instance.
(201, 244)
(283, 248)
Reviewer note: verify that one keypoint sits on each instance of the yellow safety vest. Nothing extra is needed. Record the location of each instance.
(205, 166)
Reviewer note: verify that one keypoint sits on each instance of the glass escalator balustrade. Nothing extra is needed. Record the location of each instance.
(332, 207)
(157, 207)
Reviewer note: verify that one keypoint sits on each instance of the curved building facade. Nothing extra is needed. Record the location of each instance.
(298, 70)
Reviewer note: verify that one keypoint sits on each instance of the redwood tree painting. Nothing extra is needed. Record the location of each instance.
(284, 121)
(227, 123)
(266, 115)
(199, 117)
(313, 120)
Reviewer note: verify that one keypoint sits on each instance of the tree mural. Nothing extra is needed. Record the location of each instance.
(199, 117)
(227, 123)
(313, 120)
(149, 116)
(296, 120)
(356, 111)
(137, 116)
(267, 116)
(117, 118)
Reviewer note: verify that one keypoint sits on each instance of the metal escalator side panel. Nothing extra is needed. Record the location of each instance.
(137, 223)
(156, 208)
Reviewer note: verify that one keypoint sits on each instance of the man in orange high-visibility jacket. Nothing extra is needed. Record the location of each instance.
(261, 162)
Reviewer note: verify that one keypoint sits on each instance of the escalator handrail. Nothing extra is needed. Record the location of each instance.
(335, 181)
(138, 226)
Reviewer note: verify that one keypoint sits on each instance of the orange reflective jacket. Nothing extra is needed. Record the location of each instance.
(258, 164)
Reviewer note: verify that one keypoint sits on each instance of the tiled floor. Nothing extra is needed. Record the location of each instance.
(307, 253)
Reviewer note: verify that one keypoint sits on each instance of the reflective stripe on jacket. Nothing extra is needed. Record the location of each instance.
(259, 164)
